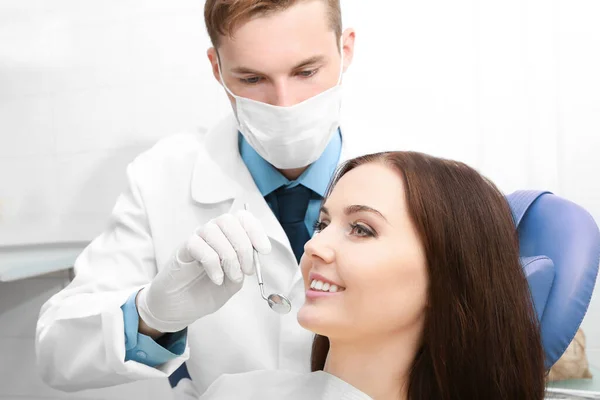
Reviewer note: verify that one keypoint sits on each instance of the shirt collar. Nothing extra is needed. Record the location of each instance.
(316, 177)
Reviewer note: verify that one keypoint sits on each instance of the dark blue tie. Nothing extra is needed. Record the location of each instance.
(291, 206)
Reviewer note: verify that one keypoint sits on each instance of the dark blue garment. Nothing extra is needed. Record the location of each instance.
(289, 206)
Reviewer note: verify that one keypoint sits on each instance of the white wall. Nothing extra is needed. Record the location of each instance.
(511, 87)
(84, 87)
(578, 48)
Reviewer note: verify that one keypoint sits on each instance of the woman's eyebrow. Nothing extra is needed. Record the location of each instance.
(362, 208)
(355, 209)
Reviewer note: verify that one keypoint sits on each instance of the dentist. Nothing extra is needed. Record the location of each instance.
(167, 281)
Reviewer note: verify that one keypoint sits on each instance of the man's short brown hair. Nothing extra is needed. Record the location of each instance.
(223, 16)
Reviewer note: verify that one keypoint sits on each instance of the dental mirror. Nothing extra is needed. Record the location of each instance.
(278, 302)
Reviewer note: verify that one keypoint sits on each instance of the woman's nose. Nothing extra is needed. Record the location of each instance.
(319, 247)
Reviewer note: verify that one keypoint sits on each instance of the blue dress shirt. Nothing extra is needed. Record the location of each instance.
(145, 350)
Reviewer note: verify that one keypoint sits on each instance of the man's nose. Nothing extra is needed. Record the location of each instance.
(282, 94)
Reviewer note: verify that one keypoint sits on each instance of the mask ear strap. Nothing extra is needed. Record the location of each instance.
(342, 63)
(221, 76)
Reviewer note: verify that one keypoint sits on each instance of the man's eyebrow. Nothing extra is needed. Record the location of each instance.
(355, 209)
(309, 61)
(245, 71)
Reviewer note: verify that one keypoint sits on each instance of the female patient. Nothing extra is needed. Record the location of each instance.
(414, 289)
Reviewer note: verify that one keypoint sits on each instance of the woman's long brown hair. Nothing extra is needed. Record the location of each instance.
(481, 337)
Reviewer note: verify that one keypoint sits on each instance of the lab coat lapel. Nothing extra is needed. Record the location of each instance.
(261, 210)
(221, 175)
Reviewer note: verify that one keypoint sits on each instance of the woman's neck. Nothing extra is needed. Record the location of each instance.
(379, 368)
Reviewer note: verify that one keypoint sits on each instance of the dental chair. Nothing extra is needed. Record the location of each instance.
(560, 252)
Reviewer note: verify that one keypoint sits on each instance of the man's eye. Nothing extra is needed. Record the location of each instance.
(251, 81)
(307, 73)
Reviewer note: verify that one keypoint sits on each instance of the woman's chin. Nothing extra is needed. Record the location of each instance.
(309, 318)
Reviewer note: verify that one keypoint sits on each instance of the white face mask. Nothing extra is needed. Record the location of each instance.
(290, 137)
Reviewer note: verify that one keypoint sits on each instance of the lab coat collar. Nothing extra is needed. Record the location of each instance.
(219, 173)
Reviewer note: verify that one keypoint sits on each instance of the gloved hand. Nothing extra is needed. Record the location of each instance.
(205, 273)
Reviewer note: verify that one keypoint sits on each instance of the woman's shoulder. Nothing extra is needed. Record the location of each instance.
(277, 384)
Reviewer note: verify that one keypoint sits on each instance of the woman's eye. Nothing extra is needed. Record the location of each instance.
(251, 81)
(361, 230)
(319, 226)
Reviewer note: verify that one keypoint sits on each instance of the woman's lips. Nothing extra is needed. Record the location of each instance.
(322, 287)
(315, 294)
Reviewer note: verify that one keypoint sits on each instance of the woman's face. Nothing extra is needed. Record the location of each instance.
(367, 247)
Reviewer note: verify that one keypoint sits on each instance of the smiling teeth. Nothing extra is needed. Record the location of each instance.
(324, 286)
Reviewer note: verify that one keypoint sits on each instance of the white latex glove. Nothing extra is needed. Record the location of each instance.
(206, 272)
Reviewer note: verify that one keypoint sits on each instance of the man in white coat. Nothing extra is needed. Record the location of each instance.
(167, 282)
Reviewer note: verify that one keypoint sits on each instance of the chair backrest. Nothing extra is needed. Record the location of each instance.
(560, 253)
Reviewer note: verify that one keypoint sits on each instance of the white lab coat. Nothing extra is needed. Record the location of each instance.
(277, 385)
(182, 182)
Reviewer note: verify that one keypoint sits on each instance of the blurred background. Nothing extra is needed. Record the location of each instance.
(511, 87)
